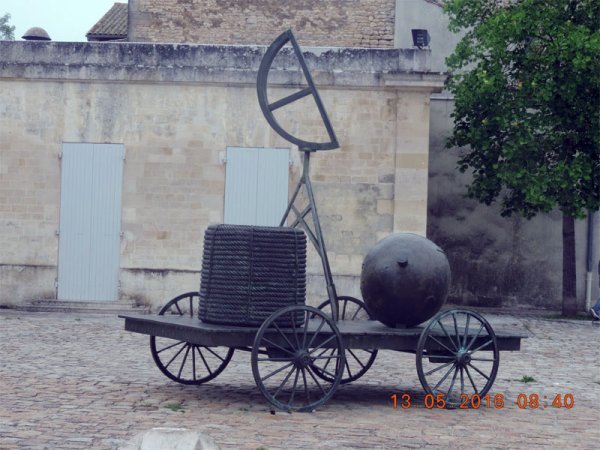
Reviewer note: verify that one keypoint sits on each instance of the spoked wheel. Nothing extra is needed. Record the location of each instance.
(182, 361)
(286, 372)
(457, 356)
(357, 361)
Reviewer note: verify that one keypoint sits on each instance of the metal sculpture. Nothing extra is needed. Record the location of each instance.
(315, 232)
(301, 354)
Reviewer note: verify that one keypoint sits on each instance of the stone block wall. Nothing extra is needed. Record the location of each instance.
(340, 23)
(175, 109)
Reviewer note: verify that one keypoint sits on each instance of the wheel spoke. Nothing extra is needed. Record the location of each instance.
(305, 330)
(355, 357)
(331, 338)
(214, 353)
(323, 369)
(178, 309)
(276, 371)
(191, 306)
(355, 313)
(462, 381)
(440, 343)
(439, 368)
(315, 333)
(466, 330)
(194, 364)
(326, 372)
(447, 335)
(443, 379)
(452, 382)
(332, 356)
(176, 355)
(282, 359)
(471, 380)
(458, 339)
(187, 352)
(348, 367)
(481, 346)
(483, 359)
(283, 334)
(294, 387)
(305, 385)
(171, 346)
(474, 337)
(343, 315)
(287, 377)
(295, 331)
(479, 371)
(271, 343)
(315, 380)
(204, 360)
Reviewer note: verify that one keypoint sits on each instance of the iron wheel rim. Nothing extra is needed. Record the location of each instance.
(185, 362)
(460, 360)
(364, 359)
(294, 355)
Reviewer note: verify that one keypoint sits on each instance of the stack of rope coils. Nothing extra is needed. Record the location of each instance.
(248, 272)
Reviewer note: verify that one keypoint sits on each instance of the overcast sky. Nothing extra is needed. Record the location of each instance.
(64, 20)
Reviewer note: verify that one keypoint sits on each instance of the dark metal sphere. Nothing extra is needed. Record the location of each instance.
(405, 279)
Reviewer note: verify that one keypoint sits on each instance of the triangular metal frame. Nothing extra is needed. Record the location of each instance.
(314, 233)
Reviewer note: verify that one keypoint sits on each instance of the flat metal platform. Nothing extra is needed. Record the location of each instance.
(356, 334)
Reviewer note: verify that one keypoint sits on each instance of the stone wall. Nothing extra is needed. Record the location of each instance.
(176, 108)
(497, 261)
(340, 23)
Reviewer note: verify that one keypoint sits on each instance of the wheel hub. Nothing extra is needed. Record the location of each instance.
(463, 358)
(302, 359)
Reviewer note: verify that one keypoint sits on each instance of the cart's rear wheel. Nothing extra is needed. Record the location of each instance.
(358, 361)
(182, 361)
(287, 374)
(458, 357)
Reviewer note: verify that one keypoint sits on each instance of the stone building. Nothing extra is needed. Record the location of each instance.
(183, 114)
(116, 156)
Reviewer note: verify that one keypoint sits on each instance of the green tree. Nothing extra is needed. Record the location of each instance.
(526, 82)
(7, 32)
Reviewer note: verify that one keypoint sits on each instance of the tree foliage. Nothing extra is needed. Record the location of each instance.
(7, 32)
(526, 82)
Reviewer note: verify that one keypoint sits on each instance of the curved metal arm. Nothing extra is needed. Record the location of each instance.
(268, 108)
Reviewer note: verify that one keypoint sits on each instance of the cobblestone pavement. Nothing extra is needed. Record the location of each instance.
(83, 382)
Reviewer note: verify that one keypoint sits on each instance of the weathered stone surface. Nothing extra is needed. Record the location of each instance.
(171, 439)
(82, 382)
(348, 23)
(176, 109)
(232, 64)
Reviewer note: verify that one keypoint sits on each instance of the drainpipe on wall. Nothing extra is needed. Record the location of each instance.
(590, 262)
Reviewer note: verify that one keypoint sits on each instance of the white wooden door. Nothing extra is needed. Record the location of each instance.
(90, 221)
(256, 185)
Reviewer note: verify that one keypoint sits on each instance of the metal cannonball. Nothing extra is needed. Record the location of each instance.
(405, 279)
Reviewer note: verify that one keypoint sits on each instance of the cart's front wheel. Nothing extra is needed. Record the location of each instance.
(299, 341)
(358, 361)
(457, 357)
(182, 361)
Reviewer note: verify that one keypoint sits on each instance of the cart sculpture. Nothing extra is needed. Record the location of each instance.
(301, 354)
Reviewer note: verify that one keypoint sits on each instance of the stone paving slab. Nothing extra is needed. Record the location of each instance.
(73, 381)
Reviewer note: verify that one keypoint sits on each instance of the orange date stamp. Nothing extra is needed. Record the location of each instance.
(489, 401)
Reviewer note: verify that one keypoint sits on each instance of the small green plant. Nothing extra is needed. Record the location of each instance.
(176, 407)
(527, 379)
